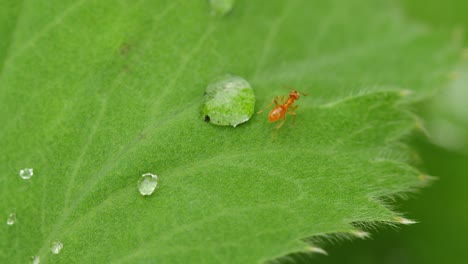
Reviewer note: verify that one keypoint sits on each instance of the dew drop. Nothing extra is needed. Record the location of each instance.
(56, 246)
(147, 183)
(221, 7)
(11, 220)
(228, 101)
(35, 260)
(26, 173)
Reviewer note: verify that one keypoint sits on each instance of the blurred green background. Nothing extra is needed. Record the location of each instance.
(440, 237)
(442, 208)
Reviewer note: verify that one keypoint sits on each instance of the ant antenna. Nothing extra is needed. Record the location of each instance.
(287, 87)
(290, 88)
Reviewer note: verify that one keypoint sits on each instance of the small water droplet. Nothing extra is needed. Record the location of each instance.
(56, 246)
(229, 101)
(35, 260)
(26, 173)
(11, 220)
(221, 7)
(147, 183)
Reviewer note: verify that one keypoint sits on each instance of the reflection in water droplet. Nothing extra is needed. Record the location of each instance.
(26, 173)
(35, 260)
(11, 219)
(221, 7)
(56, 246)
(228, 101)
(147, 183)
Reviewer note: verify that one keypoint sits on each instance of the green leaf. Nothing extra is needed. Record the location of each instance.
(93, 94)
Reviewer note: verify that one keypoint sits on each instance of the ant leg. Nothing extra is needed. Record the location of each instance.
(294, 117)
(277, 128)
(291, 112)
(284, 99)
(281, 124)
(268, 106)
(275, 101)
(273, 134)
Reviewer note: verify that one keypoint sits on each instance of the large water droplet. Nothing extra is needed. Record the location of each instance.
(26, 173)
(11, 220)
(229, 101)
(147, 183)
(35, 260)
(221, 7)
(56, 246)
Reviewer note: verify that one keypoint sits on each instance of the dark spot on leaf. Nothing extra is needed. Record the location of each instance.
(126, 68)
(207, 118)
(125, 49)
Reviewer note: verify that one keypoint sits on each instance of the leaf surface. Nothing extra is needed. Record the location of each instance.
(93, 94)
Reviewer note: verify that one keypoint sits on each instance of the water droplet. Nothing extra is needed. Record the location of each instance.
(35, 260)
(56, 246)
(147, 183)
(221, 7)
(11, 220)
(26, 173)
(229, 101)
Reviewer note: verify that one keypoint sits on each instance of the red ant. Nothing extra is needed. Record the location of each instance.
(282, 105)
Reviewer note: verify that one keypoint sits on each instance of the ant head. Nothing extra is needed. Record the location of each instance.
(294, 94)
